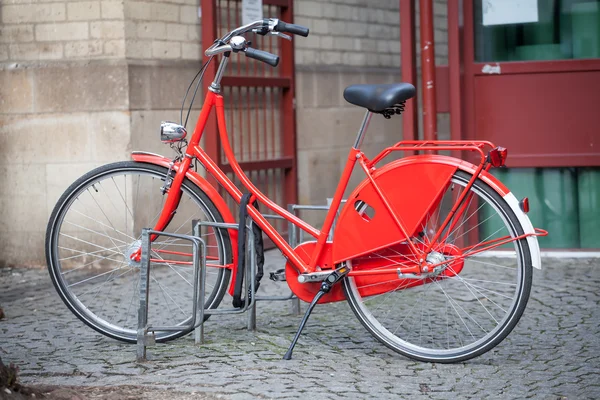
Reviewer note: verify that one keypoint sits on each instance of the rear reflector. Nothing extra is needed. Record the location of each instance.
(524, 204)
(497, 156)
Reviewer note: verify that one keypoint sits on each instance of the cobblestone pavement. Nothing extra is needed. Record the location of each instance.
(554, 352)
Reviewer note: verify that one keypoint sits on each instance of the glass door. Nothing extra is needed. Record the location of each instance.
(555, 30)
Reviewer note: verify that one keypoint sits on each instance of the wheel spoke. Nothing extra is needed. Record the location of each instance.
(90, 263)
(84, 253)
(91, 244)
(96, 277)
(165, 292)
(102, 224)
(96, 232)
(453, 303)
(102, 211)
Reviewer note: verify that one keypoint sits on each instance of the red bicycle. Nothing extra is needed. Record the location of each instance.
(433, 253)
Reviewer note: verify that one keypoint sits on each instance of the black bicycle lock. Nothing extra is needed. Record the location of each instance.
(259, 250)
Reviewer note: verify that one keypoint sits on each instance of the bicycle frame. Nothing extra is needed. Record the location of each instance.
(214, 100)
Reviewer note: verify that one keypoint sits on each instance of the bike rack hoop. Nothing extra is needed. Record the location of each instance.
(250, 271)
(198, 260)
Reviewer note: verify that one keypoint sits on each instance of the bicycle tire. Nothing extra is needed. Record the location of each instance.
(395, 325)
(71, 233)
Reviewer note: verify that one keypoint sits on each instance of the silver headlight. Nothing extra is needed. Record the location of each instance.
(171, 132)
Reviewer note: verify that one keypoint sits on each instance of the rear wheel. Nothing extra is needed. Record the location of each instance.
(464, 312)
(96, 225)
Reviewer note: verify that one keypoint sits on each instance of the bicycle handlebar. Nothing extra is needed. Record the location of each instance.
(291, 28)
(214, 50)
(263, 56)
(262, 27)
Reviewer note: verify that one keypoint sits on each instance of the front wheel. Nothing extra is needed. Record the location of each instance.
(461, 314)
(96, 225)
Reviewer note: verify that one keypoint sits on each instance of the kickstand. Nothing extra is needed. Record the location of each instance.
(326, 286)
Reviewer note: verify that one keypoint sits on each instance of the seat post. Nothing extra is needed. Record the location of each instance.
(361, 132)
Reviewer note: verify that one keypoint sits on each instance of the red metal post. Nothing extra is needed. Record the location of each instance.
(209, 34)
(288, 109)
(455, 79)
(467, 58)
(408, 60)
(428, 70)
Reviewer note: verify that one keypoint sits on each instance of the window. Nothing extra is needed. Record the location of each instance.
(562, 29)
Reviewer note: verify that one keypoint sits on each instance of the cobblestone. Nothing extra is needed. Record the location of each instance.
(553, 351)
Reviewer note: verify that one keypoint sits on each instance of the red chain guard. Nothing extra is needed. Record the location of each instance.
(413, 187)
(369, 285)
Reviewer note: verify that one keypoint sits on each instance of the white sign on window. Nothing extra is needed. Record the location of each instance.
(503, 12)
(252, 10)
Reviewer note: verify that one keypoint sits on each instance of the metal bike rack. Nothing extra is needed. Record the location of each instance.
(250, 275)
(146, 331)
(252, 311)
(145, 336)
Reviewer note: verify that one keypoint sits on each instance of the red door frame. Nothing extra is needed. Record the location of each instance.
(434, 88)
(408, 63)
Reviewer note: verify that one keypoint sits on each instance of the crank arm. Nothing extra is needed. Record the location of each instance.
(321, 276)
(318, 276)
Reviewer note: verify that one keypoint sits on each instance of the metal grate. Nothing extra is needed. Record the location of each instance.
(259, 104)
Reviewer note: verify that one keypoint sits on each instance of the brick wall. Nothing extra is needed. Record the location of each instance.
(350, 33)
(163, 30)
(63, 109)
(56, 123)
(99, 30)
(61, 30)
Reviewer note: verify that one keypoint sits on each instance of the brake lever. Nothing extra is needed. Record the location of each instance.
(281, 35)
(260, 31)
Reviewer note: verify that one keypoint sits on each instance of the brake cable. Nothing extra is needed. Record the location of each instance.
(201, 74)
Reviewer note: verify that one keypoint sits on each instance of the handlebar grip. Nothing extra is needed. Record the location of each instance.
(263, 56)
(291, 28)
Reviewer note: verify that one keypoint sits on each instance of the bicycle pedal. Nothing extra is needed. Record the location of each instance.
(277, 276)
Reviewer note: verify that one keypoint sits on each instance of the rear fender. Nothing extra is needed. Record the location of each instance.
(413, 186)
(206, 187)
(534, 247)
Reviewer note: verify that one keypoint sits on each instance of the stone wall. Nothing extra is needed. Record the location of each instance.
(63, 109)
(158, 30)
(349, 33)
(34, 30)
(83, 83)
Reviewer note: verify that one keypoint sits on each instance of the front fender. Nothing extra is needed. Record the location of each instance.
(207, 188)
(412, 186)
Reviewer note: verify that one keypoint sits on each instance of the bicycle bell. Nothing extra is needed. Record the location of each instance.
(237, 43)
